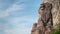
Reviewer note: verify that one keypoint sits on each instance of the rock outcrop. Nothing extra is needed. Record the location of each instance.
(55, 12)
(49, 17)
(45, 23)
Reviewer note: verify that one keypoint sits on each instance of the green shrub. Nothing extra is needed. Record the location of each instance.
(56, 32)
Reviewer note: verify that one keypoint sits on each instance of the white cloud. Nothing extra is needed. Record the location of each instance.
(14, 24)
(15, 7)
(18, 26)
(20, 19)
(12, 8)
(24, 30)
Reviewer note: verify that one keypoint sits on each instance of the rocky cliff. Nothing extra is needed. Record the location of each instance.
(49, 17)
(55, 11)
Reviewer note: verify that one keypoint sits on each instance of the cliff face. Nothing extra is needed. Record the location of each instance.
(49, 17)
(45, 22)
(55, 11)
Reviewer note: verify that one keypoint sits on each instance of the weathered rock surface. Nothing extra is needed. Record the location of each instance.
(45, 23)
(49, 17)
(55, 12)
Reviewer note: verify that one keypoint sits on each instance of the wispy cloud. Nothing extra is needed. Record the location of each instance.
(22, 23)
(15, 7)
(12, 8)
(18, 26)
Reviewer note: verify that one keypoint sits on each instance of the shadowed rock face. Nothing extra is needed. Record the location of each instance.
(45, 24)
(45, 12)
(55, 12)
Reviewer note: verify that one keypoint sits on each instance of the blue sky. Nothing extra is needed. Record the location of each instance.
(18, 16)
